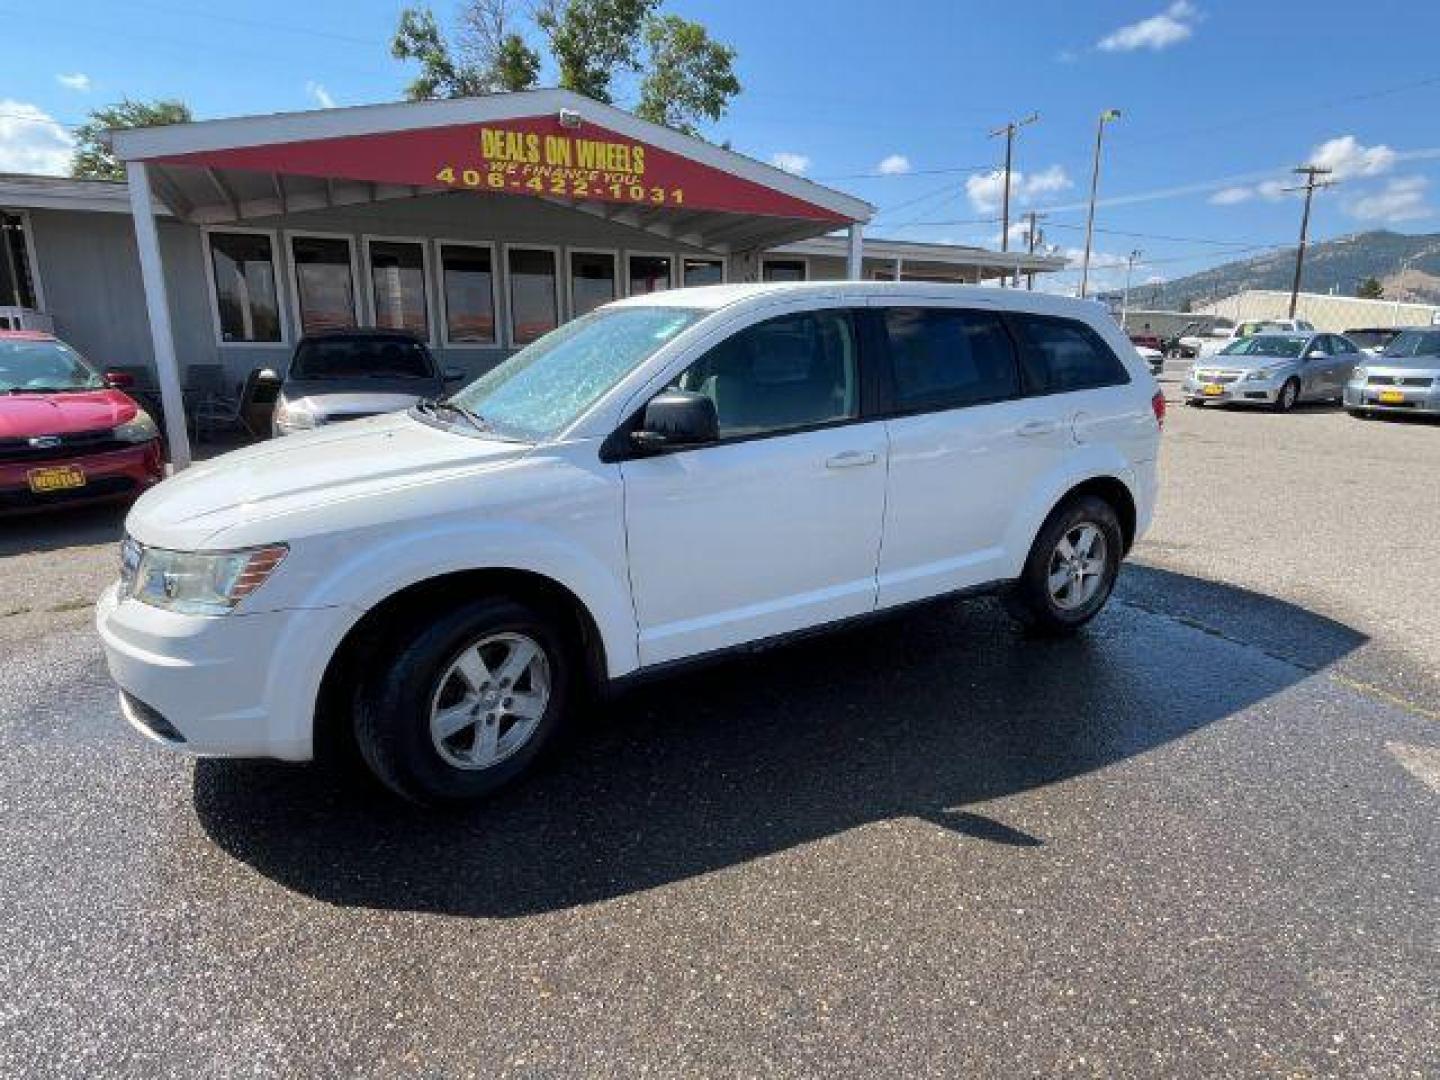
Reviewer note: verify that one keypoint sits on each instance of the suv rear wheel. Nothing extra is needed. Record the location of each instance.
(1071, 568)
(457, 706)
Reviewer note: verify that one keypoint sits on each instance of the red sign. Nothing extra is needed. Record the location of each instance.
(528, 156)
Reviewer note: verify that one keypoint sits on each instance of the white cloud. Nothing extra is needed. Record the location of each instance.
(76, 81)
(1401, 199)
(320, 94)
(32, 141)
(894, 165)
(986, 191)
(1345, 157)
(1231, 195)
(1269, 190)
(790, 162)
(1170, 27)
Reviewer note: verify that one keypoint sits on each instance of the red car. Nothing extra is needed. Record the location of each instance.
(67, 433)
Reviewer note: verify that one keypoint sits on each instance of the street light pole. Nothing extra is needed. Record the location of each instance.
(1105, 118)
(1125, 297)
(1310, 172)
(1009, 131)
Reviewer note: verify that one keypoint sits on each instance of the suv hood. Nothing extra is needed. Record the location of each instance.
(306, 475)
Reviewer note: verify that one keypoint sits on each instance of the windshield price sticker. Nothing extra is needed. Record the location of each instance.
(542, 164)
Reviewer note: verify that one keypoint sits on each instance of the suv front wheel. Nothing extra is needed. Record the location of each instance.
(1071, 568)
(461, 703)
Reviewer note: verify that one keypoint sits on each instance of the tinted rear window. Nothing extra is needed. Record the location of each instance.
(944, 358)
(361, 358)
(1065, 354)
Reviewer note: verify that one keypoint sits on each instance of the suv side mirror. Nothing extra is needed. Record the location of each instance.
(677, 418)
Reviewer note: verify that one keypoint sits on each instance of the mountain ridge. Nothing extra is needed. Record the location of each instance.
(1407, 266)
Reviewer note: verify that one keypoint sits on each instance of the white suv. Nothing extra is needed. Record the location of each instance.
(668, 477)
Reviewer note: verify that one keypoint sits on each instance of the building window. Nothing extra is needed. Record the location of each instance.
(324, 283)
(534, 293)
(17, 281)
(467, 274)
(784, 270)
(649, 273)
(247, 305)
(592, 281)
(704, 272)
(397, 286)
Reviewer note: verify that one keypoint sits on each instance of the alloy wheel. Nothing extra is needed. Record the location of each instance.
(490, 700)
(1077, 566)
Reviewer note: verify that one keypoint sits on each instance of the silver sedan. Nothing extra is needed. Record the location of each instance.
(1405, 378)
(1276, 370)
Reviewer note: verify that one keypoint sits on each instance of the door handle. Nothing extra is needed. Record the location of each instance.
(1032, 428)
(851, 458)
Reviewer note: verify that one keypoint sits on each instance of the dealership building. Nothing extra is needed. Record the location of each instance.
(478, 224)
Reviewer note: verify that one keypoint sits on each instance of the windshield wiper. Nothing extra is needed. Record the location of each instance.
(474, 419)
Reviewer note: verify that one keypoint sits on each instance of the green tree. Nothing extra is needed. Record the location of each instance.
(1370, 289)
(592, 40)
(418, 38)
(497, 52)
(691, 76)
(93, 159)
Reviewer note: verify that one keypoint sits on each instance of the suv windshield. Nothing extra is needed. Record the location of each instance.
(541, 389)
(1415, 343)
(1285, 346)
(362, 358)
(44, 366)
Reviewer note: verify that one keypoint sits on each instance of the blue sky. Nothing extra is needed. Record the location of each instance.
(1218, 98)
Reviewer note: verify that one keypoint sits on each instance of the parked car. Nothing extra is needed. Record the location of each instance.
(1403, 380)
(1146, 339)
(1153, 357)
(1185, 343)
(351, 374)
(67, 433)
(1218, 341)
(1373, 339)
(672, 476)
(1279, 370)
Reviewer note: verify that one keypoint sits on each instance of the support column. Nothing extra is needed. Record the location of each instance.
(857, 252)
(157, 306)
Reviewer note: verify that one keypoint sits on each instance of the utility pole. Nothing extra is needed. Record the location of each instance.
(1009, 131)
(1310, 172)
(1034, 237)
(1105, 118)
(1125, 297)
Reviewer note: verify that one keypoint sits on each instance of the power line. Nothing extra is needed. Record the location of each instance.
(949, 170)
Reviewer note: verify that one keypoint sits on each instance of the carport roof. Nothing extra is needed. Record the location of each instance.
(552, 145)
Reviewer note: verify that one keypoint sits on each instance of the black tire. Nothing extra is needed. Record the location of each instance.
(1288, 397)
(1194, 403)
(394, 700)
(1030, 601)
(1360, 414)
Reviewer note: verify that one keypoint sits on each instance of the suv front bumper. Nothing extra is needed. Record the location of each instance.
(237, 685)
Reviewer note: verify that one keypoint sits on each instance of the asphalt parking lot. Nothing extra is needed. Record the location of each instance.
(1201, 839)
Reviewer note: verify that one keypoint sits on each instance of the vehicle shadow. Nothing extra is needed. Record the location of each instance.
(926, 715)
(63, 527)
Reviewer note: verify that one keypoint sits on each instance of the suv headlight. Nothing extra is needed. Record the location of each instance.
(138, 429)
(290, 417)
(1359, 373)
(195, 582)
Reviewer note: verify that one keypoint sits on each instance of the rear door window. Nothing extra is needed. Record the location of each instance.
(943, 358)
(1060, 355)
